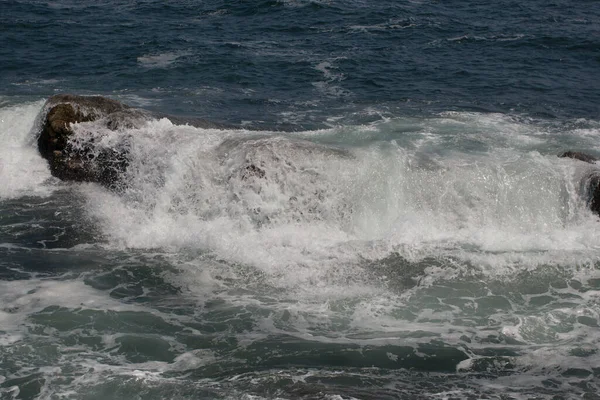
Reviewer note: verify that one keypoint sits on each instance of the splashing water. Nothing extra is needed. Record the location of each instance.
(402, 257)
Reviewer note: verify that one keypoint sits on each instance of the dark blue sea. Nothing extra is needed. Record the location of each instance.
(412, 234)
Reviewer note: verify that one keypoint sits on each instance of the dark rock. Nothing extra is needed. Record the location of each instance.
(591, 189)
(74, 159)
(77, 158)
(579, 156)
(590, 184)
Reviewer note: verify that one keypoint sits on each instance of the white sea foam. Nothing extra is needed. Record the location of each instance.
(20, 299)
(332, 77)
(40, 82)
(22, 169)
(299, 228)
(277, 200)
(161, 60)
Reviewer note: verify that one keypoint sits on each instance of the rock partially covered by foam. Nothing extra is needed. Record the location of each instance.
(579, 156)
(590, 184)
(77, 159)
(86, 138)
(591, 189)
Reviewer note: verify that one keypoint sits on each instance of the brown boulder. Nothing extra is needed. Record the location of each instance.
(76, 158)
(72, 159)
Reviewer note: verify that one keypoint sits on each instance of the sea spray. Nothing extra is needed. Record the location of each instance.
(223, 190)
(22, 170)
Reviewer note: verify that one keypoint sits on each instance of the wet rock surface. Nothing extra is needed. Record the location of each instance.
(74, 160)
(591, 187)
(590, 184)
(83, 159)
(577, 155)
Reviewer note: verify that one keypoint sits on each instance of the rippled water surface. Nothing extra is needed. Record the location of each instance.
(383, 217)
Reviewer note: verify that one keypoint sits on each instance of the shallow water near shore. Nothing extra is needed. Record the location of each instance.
(386, 217)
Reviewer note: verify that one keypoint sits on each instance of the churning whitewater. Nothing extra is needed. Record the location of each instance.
(299, 199)
(389, 259)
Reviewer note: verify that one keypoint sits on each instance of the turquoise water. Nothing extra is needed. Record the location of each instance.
(414, 234)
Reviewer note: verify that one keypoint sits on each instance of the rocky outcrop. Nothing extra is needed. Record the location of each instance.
(590, 184)
(592, 189)
(75, 157)
(77, 160)
(579, 156)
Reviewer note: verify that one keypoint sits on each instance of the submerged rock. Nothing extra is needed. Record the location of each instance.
(76, 160)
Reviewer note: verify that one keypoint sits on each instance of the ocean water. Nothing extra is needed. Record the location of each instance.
(411, 234)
